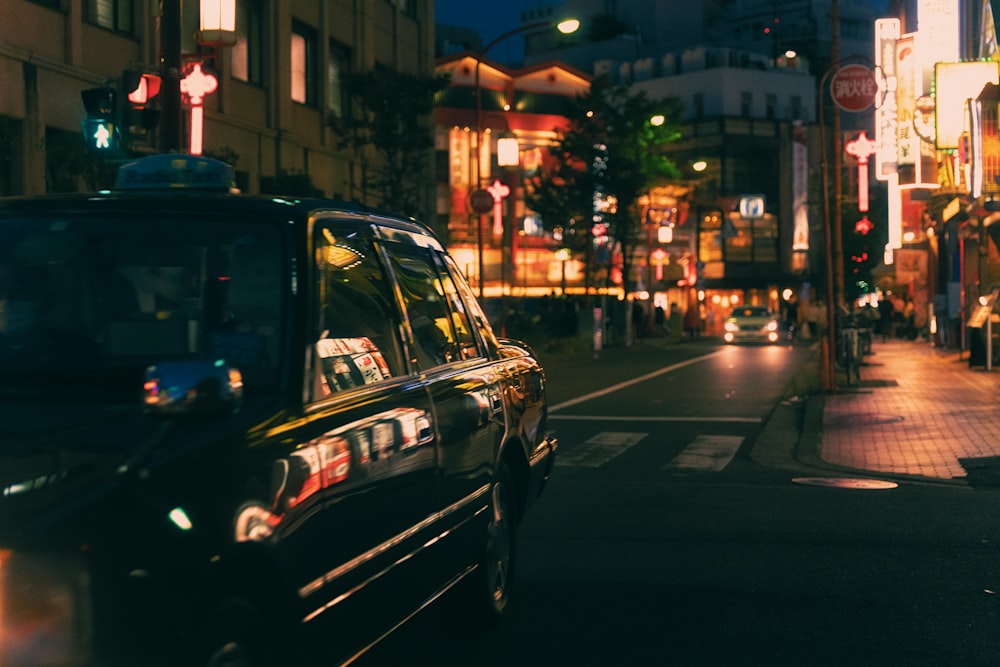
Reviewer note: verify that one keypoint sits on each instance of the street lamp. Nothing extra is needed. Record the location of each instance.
(217, 25)
(565, 27)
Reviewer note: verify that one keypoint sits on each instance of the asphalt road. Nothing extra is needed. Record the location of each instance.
(661, 541)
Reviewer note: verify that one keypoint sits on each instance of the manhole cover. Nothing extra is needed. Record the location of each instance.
(845, 483)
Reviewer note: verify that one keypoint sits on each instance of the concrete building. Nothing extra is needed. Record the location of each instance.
(276, 84)
(748, 75)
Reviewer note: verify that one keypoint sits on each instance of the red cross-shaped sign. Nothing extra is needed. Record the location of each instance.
(499, 191)
(862, 148)
(196, 85)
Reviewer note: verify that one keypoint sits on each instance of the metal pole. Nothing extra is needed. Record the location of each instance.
(477, 177)
(830, 356)
(838, 223)
(170, 75)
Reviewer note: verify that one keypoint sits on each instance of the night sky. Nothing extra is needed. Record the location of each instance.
(488, 19)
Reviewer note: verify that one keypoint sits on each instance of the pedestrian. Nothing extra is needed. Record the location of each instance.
(638, 319)
(886, 314)
(661, 320)
(692, 322)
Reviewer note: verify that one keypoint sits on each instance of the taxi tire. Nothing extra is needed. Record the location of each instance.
(481, 600)
(236, 635)
(500, 557)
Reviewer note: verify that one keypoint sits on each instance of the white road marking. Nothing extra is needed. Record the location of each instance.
(707, 452)
(629, 383)
(598, 450)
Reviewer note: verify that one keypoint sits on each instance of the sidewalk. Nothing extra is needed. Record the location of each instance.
(919, 411)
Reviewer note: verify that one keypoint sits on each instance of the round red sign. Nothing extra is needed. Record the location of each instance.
(481, 201)
(853, 88)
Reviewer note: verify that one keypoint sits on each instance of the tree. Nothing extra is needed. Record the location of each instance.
(599, 166)
(386, 121)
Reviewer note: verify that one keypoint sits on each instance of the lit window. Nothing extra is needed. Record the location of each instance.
(303, 65)
(246, 53)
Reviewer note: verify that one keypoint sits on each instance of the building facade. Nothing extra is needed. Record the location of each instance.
(501, 247)
(276, 84)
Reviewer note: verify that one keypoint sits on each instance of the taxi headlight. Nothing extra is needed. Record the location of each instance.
(772, 326)
(44, 610)
(732, 326)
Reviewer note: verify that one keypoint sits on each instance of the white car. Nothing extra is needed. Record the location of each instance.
(752, 324)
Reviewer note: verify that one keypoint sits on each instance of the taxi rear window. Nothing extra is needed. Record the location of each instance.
(83, 291)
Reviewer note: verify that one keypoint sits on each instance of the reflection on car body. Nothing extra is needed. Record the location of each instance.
(221, 413)
(363, 449)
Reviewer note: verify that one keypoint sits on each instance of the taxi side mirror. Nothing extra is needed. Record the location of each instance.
(188, 388)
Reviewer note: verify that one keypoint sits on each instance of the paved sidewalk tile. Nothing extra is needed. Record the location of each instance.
(917, 411)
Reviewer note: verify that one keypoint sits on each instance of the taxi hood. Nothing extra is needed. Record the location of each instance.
(51, 454)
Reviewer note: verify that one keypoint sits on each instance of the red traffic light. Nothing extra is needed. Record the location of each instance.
(143, 89)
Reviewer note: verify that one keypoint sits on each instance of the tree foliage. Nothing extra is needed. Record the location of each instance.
(387, 121)
(608, 126)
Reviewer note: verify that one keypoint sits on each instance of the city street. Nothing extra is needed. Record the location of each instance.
(662, 539)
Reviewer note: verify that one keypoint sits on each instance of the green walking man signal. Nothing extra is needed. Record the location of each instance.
(100, 132)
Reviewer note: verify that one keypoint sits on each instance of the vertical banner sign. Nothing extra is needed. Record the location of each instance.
(459, 170)
(886, 114)
(800, 189)
(887, 130)
(975, 142)
(906, 106)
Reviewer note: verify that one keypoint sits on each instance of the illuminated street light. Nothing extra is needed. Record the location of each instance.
(566, 27)
(218, 22)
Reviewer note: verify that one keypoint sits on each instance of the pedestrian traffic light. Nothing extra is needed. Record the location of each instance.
(99, 102)
(100, 130)
(100, 134)
(138, 95)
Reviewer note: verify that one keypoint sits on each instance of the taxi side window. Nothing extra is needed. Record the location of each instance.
(470, 305)
(462, 318)
(426, 301)
(356, 337)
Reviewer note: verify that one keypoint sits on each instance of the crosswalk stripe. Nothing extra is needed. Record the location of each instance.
(598, 450)
(707, 452)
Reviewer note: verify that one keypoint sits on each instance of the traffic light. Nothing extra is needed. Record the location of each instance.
(138, 96)
(100, 130)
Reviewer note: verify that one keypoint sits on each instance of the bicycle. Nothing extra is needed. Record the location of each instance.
(850, 346)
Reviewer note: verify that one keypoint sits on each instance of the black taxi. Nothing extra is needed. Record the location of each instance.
(237, 430)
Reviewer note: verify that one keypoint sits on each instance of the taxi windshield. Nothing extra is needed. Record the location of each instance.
(85, 291)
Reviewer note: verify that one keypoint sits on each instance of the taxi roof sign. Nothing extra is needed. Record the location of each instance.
(176, 172)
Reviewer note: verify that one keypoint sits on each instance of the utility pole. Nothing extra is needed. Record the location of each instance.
(170, 76)
(838, 160)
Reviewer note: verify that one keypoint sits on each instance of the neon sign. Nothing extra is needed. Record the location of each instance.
(196, 85)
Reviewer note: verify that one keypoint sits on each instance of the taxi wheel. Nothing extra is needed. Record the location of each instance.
(481, 599)
(498, 563)
(236, 636)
